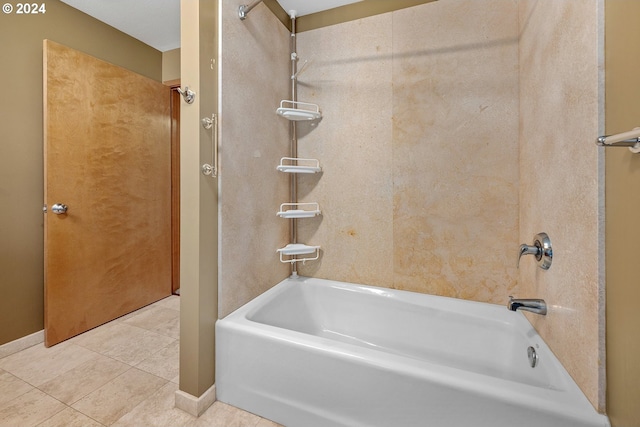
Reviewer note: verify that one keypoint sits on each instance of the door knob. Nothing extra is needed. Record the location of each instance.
(59, 208)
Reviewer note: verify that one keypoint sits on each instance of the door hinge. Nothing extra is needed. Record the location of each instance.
(44, 208)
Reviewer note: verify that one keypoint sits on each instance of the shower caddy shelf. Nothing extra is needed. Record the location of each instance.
(298, 111)
(296, 212)
(293, 165)
(295, 113)
(293, 249)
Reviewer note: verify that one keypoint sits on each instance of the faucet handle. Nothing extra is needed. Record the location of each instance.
(527, 250)
(541, 248)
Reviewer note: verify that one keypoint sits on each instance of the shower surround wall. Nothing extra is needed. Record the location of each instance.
(451, 133)
(561, 175)
(254, 79)
(419, 148)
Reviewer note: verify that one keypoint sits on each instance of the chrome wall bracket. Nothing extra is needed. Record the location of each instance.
(188, 95)
(243, 9)
(212, 168)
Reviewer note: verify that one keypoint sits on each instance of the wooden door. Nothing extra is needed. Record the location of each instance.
(107, 157)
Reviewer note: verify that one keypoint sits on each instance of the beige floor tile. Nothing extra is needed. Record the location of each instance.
(165, 363)
(158, 411)
(96, 336)
(222, 415)
(84, 379)
(126, 343)
(172, 302)
(69, 417)
(158, 319)
(30, 353)
(119, 396)
(133, 313)
(29, 409)
(93, 373)
(267, 423)
(170, 328)
(37, 365)
(11, 387)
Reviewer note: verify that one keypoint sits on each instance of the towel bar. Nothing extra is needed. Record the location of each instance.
(629, 139)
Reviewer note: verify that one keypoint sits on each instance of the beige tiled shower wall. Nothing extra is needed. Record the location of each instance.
(451, 133)
(255, 77)
(561, 57)
(419, 149)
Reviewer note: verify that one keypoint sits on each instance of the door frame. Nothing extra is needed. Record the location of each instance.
(175, 185)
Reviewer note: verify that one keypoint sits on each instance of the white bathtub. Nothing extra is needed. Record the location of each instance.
(313, 352)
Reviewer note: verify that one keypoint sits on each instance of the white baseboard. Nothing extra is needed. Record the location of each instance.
(195, 405)
(21, 344)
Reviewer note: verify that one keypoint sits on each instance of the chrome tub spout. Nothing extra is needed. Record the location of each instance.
(537, 306)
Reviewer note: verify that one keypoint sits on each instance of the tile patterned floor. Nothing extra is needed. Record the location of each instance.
(122, 374)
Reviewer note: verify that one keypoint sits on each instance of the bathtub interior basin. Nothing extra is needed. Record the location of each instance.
(391, 322)
(313, 352)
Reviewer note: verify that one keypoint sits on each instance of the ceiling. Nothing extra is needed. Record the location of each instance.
(157, 22)
(306, 7)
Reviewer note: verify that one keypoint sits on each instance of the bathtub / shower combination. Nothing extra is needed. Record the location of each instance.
(312, 352)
